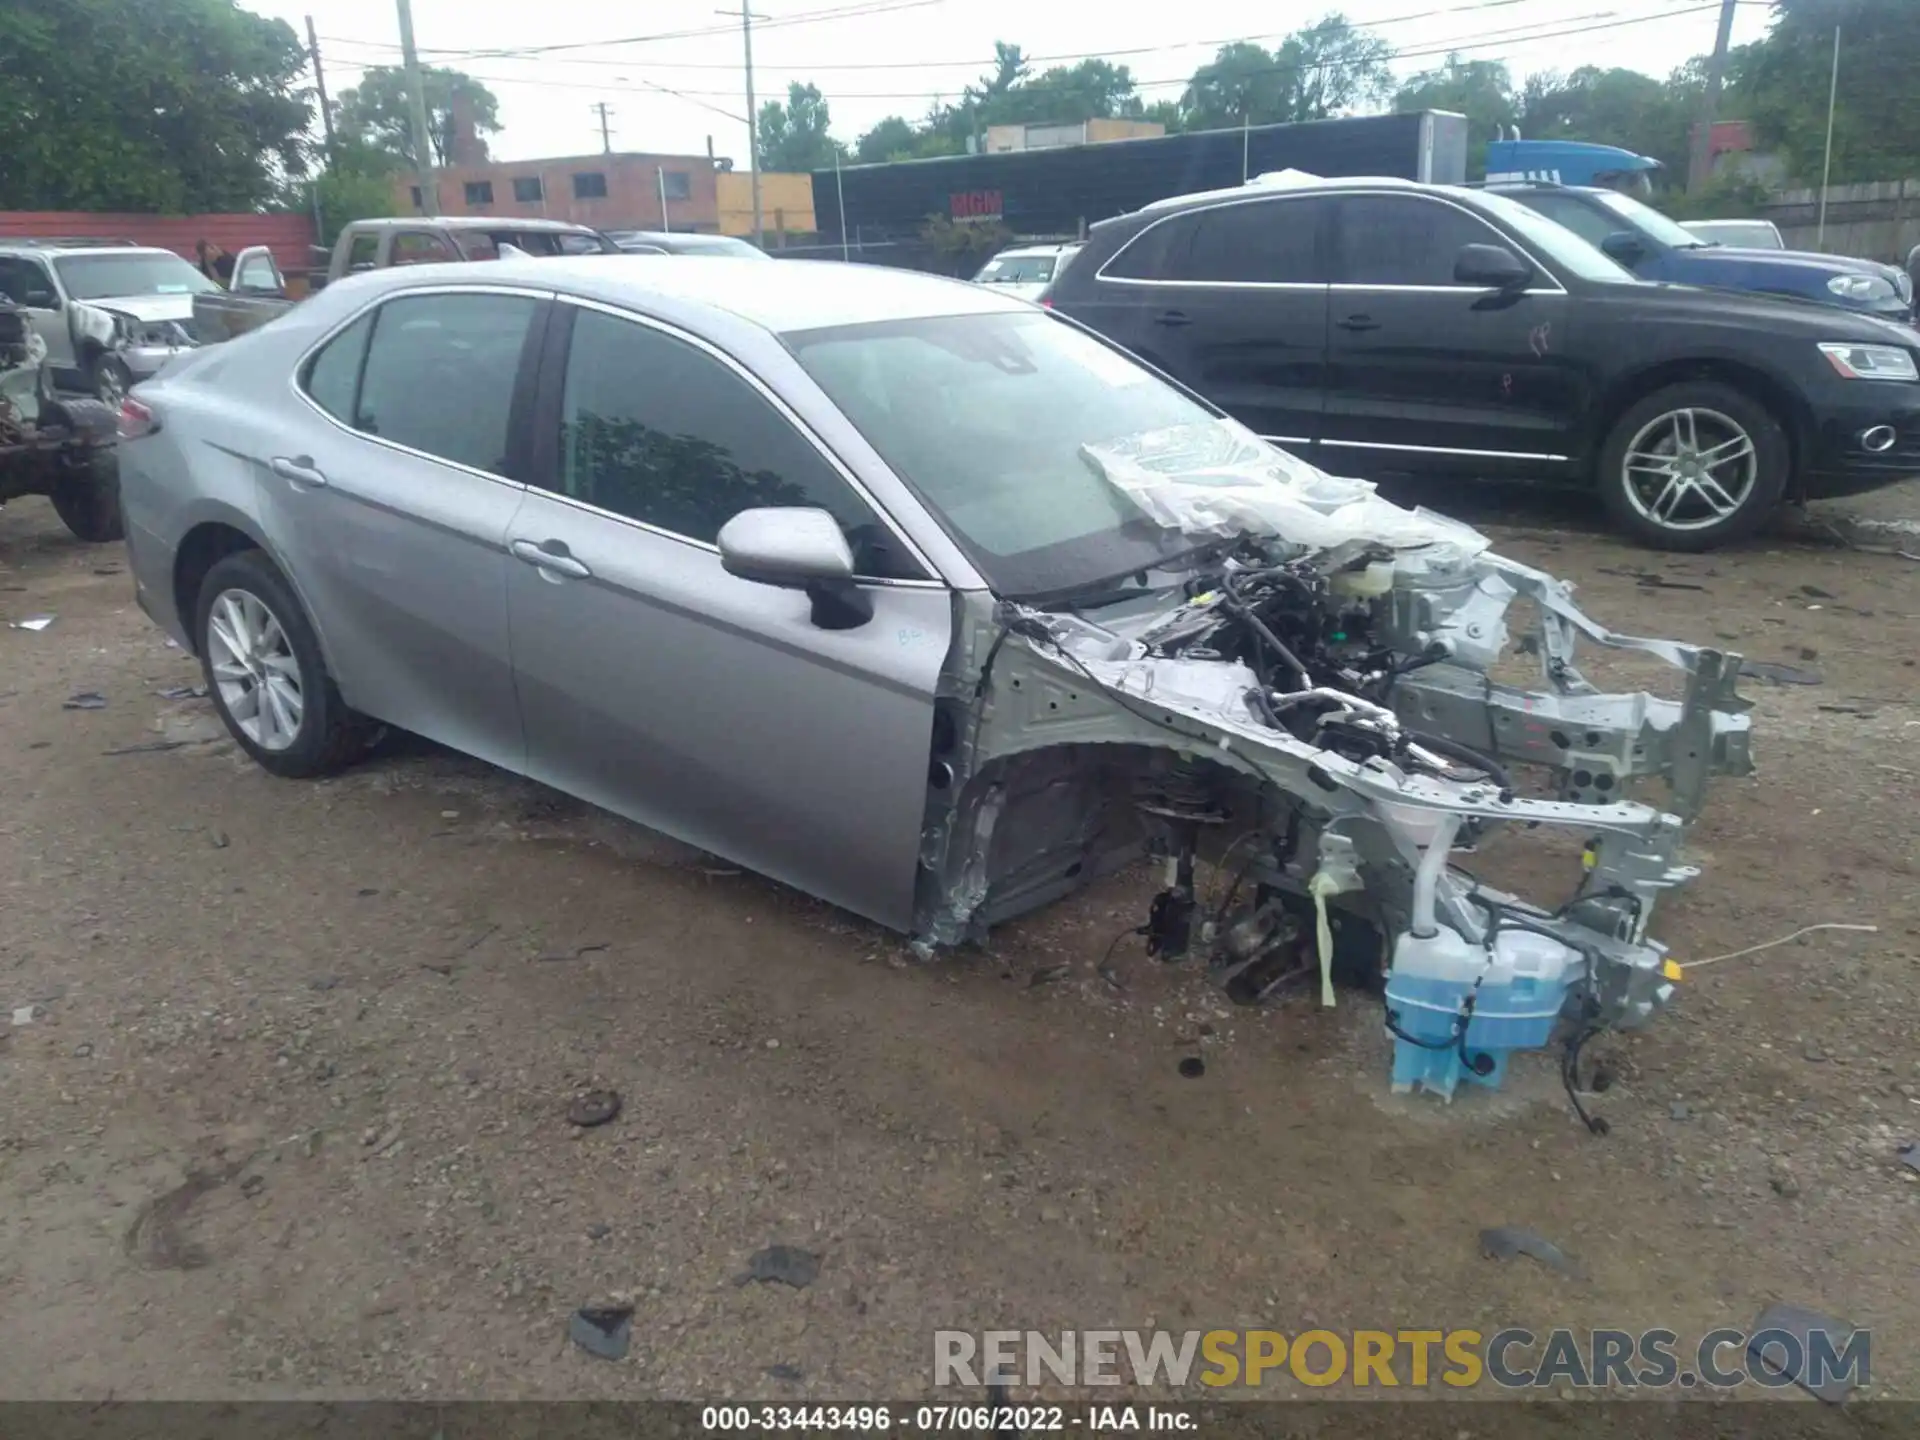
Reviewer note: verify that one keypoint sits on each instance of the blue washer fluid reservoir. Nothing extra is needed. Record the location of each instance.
(1518, 987)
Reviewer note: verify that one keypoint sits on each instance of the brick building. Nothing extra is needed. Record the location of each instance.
(609, 192)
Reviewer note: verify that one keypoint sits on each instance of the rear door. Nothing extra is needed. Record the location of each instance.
(1424, 367)
(1232, 300)
(657, 685)
(390, 499)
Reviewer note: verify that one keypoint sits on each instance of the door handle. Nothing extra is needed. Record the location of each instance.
(551, 556)
(1358, 322)
(300, 470)
(1173, 317)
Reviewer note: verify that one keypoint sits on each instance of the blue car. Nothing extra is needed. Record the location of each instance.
(1655, 248)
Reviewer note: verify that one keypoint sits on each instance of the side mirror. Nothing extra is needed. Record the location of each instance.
(1625, 247)
(40, 300)
(1492, 266)
(798, 548)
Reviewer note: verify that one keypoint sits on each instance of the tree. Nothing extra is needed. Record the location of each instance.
(1782, 82)
(892, 139)
(794, 136)
(1090, 90)
(1330, 68)
(1481, 90)
(147, 105)
(1617, 107)
(357, 184)
(377, 112)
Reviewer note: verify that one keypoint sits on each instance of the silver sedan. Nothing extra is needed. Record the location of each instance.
(913, 596)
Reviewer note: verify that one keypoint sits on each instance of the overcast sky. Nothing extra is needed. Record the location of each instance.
(883, 57)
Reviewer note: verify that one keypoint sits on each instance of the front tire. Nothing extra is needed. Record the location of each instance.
(88, 500)
(1694, 466)
(266, 675)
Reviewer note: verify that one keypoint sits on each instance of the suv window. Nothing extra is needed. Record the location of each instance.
(1590, 224)
(1405, 240)
(1272, 242)
(20, 277)
(658, 430)
(362, 254)
(1154, 252)
(439, 375)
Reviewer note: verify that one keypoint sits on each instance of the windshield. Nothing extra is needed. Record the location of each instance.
(1553, 240)
(1017, 270)
(114, 277)
(988, 418)
(1650, 222)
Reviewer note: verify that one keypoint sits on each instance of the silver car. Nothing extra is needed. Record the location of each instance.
(924, 601)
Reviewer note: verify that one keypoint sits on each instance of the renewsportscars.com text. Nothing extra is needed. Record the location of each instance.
(1512, 1359)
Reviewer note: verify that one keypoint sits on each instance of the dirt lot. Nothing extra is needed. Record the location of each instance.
(287, 1116)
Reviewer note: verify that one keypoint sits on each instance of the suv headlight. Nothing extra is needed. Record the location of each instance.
(1870, 362)
(1861, 287)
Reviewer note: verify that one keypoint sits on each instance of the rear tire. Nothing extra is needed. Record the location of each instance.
(1694, 466)
(88, 501)
(266, 675)
(108, 380)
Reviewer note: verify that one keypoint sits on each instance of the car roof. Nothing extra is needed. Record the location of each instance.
(62, 249)
(475, 222)
(1277, 183)
(788, 296)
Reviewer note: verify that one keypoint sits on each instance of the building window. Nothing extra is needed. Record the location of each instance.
(415, 192)
(676, 184)
(589, 185)
(528, 188)
(479, 192)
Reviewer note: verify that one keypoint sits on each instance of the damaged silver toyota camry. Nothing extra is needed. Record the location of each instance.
(933, 605)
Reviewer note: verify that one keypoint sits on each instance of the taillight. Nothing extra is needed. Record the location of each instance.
(1046, 302)
(136, 419)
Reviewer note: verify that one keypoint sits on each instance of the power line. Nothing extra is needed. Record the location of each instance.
(978, 64)
(1462, 45)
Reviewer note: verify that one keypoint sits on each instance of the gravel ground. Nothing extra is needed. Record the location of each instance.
(286, 1117)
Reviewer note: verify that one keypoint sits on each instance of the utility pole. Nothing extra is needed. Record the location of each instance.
(320, 84)
(753, 120)
(1826, 168)
(1700, 162)
(417, 96)
(606, 140)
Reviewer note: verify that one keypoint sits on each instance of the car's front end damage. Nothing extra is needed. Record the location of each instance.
(1312, 711)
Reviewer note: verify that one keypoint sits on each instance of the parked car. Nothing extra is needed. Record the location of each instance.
(258, 293)
(684, 242)
(1654, 247)
(59, 448)
(1739, 234)
(1026, 270)
(911, 595)
(1387, 325)
(111, 313)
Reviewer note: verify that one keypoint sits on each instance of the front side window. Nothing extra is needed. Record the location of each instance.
(1405, 240)
(439, 375)
(364, 251)
(1571, 212)
(998, 422)
(1266, 242)
(257, 273)
(658, 430)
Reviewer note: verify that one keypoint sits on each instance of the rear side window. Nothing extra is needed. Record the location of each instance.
(658, 430)
(333, 376)
(440, 372)
(1269, 242)
(1405, 240)
(1152, 254)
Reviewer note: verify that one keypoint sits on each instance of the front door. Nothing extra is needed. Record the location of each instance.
(657, 685)
(393, 504)
(1232, 301)
(1423, 367)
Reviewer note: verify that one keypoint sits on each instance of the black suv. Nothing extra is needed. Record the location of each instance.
(1380, 325)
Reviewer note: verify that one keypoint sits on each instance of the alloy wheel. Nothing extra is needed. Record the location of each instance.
(1690, 469)
(255, 670)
